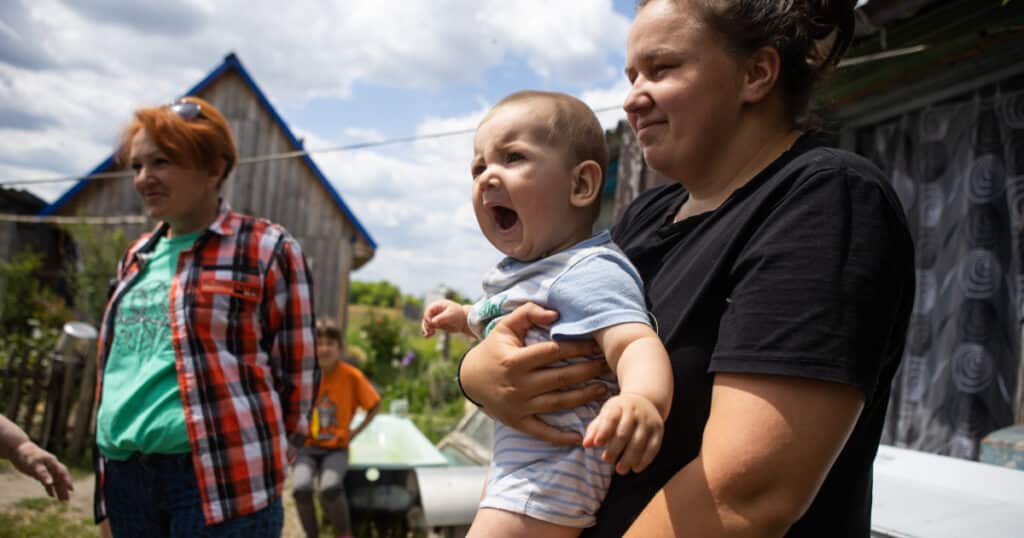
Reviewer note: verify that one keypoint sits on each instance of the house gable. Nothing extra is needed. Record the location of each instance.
(273, 179)
(233, 66)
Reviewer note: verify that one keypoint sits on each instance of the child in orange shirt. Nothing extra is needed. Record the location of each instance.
(343, 388)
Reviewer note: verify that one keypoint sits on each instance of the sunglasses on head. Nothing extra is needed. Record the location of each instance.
(186, 110)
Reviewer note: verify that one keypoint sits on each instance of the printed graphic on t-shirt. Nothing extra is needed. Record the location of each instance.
(327, 419)
(490, 312)
(142, 321)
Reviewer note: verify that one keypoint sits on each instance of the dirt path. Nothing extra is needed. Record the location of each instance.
(15, 486)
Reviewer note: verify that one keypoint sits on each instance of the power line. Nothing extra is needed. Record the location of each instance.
(269, 156)
(58, 219)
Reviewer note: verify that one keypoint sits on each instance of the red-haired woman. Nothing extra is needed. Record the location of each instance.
(207, 363)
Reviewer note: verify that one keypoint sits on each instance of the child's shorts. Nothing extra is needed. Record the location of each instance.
(563, 485)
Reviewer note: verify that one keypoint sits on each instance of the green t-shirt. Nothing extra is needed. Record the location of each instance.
(140, 409)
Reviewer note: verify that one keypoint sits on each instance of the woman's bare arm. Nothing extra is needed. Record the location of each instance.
(768, 445)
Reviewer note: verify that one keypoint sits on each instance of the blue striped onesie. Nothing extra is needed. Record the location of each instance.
(593, 286)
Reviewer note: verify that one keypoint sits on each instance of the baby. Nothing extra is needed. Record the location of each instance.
(539, 162)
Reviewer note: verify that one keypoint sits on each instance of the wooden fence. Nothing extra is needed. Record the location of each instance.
(51, 397)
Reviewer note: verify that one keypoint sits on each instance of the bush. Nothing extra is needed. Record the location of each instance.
(405, 366)
(381, 293)
(382, 338)
(24, 298)
(23, 350)
(93, 267)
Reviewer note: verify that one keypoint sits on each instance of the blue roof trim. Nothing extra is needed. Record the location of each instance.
(231, 62)
(70, 193)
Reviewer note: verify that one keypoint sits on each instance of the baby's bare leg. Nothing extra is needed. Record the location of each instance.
(494, 523)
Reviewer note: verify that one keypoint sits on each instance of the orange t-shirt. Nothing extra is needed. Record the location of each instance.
(341, 391)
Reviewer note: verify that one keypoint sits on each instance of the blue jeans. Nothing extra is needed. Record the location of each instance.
(157, 496)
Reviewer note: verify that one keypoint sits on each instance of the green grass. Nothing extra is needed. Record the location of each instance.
(38, 504)
(41, 517)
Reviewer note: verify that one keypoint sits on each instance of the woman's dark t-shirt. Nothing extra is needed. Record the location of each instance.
(805, 271)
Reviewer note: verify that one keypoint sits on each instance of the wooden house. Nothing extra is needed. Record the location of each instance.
(14, 235)
(291, 191)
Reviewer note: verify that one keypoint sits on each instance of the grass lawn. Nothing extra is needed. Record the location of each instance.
(42, 517)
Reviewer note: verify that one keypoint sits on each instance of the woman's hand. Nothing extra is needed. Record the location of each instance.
(512, 383)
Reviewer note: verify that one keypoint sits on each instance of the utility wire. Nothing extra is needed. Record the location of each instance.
(269, 156)
(60, 219)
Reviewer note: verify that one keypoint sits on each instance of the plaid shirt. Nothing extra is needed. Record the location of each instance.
(243, 330)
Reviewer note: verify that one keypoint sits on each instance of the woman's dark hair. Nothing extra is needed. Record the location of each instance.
(810, 36)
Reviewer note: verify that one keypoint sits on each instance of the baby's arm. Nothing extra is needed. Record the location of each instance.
(446, 315)
(630, 425)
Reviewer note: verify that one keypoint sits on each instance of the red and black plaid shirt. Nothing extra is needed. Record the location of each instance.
(243, 330)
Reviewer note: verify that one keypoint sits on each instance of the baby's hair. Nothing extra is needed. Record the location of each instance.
(327, 329)
(573, 125)
(201, 142)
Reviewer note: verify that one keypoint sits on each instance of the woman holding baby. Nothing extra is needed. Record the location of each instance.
(779, 271)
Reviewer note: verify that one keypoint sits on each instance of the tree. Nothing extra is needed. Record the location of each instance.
(93, 267)
(22, 296)
(380, 293)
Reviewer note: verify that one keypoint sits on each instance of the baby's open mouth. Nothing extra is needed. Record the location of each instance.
(505, 217)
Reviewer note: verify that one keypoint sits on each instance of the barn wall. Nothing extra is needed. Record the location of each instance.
(285, 191)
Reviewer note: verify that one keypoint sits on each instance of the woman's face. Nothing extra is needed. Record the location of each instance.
(685, 100)
(170, 192)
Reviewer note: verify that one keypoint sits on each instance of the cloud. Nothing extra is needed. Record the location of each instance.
(605, 98)
(563, 41)
(363, 134)
(13, 118)
(114, 57)
(417, 207)
(170, 18)
(324, 48)
(20, 42)
(48, 191)
(71, 72)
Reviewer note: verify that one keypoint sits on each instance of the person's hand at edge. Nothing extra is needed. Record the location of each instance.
(32, 460)
(511, 382)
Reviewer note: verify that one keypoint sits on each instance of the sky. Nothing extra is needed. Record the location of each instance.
(339, 72)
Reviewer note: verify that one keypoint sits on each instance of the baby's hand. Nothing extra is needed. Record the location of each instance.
(445, 315)
(630, 428)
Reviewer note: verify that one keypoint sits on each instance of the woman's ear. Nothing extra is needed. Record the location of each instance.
(586, 184)
(216, 174)
(762, 73)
